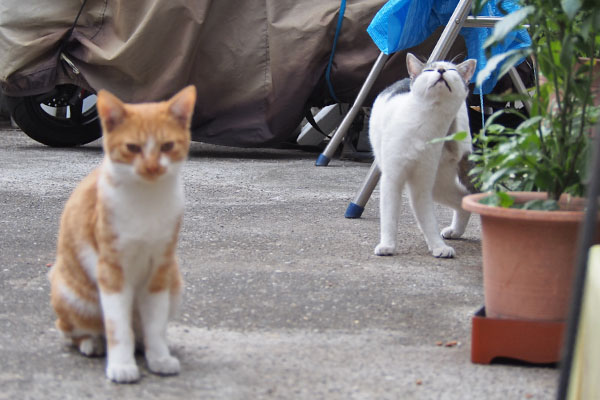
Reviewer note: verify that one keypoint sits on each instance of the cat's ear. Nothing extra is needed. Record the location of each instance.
(413, 65)
(111, 110)
(466, 69)
(181, 106)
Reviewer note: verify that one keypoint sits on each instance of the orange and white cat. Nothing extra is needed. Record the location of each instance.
(116, 280)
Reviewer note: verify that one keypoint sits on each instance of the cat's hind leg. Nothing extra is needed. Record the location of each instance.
(450, 192)
(91, 345)
(421, 199)
(79, 317)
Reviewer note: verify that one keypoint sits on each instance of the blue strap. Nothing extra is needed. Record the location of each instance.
(335, 39)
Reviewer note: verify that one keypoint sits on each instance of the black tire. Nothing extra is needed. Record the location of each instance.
(63, 117)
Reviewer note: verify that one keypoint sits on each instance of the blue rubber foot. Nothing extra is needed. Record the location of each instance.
(322, 160)
(354, 211)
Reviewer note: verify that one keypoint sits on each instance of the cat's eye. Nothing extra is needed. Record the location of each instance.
(166, 147)
(134, 148)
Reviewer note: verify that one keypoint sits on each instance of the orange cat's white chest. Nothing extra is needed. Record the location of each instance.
(144, 217)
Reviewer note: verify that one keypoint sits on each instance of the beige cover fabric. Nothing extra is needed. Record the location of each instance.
(256, 64)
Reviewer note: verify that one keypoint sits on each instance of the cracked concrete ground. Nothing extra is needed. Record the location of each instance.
(284, 298)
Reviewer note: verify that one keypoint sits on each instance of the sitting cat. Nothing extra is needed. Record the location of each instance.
(402, 126)
(116, 280)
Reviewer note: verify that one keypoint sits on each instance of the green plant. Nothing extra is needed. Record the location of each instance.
(549, 150)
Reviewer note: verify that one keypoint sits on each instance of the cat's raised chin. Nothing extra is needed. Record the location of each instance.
(405, 120)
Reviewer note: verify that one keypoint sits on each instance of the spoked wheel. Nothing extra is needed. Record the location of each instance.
(63, 117)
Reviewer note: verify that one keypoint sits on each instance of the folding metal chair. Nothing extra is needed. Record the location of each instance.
(460, 19)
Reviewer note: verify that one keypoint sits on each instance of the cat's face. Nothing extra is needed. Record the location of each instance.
(440, 78)
(148, 140)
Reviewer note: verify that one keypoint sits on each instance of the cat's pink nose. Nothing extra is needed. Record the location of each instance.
(154, 169)
(151, 170)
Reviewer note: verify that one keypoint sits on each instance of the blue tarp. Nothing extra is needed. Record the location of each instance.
(401, 24)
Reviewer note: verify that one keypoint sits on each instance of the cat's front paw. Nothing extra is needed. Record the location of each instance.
(123, 373)
(384, 250)
(451, 233)
(443, 252)
(168, 365)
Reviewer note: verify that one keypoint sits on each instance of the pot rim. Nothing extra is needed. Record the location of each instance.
(471, 203)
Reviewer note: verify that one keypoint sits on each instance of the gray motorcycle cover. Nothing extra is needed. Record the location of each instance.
(257, 64)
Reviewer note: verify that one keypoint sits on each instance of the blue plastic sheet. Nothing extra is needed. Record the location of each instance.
(401, 24)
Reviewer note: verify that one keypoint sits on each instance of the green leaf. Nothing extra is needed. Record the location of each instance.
(543, 180)
(498, 199)
(566, 53)
(458, 137)
(541, 205)
(508, 24)
(508, 96)
(533, 121)
(513, 60)
(493, 63)
(570, 7)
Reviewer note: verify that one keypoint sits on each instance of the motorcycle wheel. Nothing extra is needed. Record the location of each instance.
(63, 117)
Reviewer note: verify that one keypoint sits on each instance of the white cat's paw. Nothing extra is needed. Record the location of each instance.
(123, 373)
(93, 346)
(383, 250)
(168, 365)
(443, 252)
(450, 233)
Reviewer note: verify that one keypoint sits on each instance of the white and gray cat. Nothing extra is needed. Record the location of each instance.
(404, 122)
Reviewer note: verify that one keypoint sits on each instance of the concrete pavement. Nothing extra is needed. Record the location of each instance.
(284, 298)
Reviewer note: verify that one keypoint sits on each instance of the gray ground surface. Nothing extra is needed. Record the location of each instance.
(284, 298)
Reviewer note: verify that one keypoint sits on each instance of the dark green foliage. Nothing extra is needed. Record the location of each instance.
(549, 150)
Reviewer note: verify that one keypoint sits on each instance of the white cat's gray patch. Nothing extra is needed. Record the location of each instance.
(400, 87)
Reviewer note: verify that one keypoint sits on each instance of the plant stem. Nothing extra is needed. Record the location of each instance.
(536, 69)
(582, 126)
(557, 187)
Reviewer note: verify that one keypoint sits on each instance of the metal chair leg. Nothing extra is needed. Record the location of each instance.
(325, 157)
(356, 207)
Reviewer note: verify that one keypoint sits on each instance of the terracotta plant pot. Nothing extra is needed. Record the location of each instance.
(528, 257)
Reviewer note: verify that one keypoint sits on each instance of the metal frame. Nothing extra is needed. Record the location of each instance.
(338, 136)
(460, 18)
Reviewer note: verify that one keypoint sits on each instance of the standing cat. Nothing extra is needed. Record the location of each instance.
(116, 279)
(402, 127)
